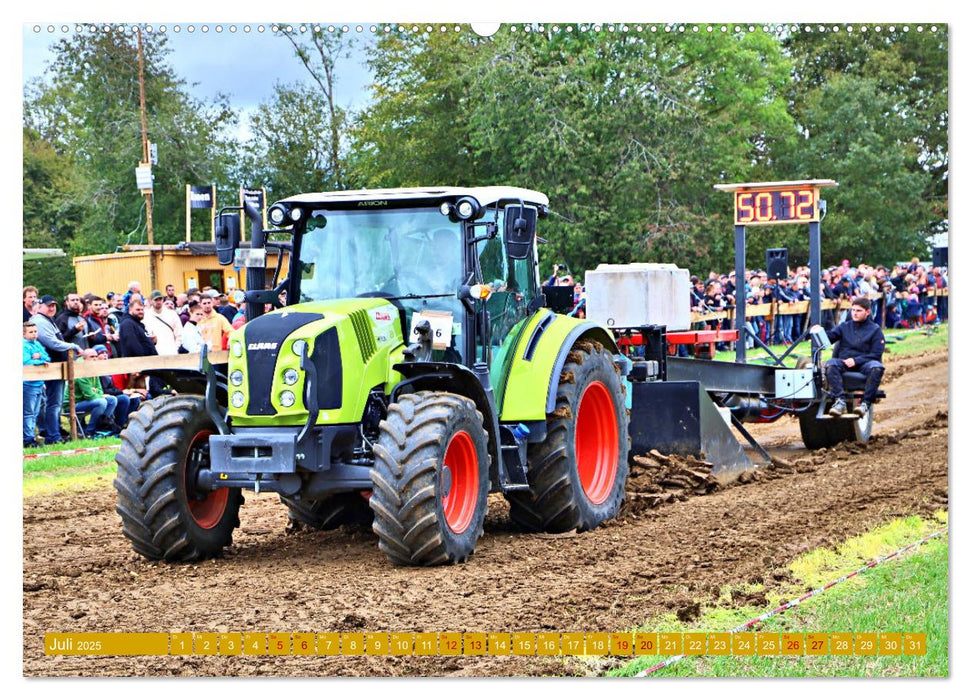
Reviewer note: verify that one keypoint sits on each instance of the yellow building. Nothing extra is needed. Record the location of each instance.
(184, 265)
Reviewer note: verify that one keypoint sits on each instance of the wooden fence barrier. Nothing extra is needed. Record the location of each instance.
(71, 370)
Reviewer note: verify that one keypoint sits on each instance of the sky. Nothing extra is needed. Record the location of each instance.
(238, 60)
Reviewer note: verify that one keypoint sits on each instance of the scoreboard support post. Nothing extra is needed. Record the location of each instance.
(815, 274)
(740, 298)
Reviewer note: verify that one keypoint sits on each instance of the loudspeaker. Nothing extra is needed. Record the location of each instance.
(940, 256)
(777, 263)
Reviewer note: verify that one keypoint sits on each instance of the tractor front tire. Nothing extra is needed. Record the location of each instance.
(578, 474)
(328, 513)
(162, 513)
(430, 479)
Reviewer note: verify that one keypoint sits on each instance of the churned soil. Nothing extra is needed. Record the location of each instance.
(678, 540)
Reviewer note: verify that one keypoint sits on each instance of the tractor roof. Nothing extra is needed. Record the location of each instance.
(485, 196)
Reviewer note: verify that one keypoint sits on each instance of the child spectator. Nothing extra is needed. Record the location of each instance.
(192, 340)
(34, 354)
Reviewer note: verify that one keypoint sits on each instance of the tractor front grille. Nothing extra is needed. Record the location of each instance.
(263, 340)
(330, 370)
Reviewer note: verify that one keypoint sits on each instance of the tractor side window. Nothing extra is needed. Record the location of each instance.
(513, 283)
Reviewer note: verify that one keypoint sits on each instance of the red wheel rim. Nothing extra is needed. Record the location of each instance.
(209, 511)
(596, 442)
(460, 497)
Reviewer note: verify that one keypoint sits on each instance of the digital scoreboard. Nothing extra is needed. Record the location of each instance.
(768, 203)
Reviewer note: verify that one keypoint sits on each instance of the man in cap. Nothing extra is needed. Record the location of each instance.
(861, 346)
(164, 323)
(53, 341)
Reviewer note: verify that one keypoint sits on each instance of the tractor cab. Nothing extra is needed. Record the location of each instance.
(451, 255)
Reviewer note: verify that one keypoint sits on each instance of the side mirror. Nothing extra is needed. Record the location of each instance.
(519, 229)
(227, 237)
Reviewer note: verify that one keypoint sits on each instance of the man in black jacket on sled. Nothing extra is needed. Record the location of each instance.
(861, 346)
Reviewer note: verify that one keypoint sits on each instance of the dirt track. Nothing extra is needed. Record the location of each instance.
(81, 575)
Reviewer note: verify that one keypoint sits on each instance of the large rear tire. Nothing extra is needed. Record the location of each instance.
(163, 514)
(431, 479)
(577, 476)
(329, 512)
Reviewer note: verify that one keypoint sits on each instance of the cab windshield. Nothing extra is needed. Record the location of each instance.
(406, 253)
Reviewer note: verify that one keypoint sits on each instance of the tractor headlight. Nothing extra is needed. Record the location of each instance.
(277, 214)
(287, 399)
(299, 347)
(290, 377)
(237, 349)
(238, 399)
(236, 378)
(296, 214)
(466, 208)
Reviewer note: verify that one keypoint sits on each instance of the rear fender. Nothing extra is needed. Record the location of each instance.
(534, 374)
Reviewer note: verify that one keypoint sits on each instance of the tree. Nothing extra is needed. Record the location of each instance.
(87, 107)
(908, 70)
(290, 151)
(626, 132)
(51, 214)
(855, 135)
(319, 53)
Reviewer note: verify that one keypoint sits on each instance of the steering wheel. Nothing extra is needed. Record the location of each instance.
(406, 282)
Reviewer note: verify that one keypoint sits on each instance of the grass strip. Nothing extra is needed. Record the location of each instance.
(901, 595)
(901, 342)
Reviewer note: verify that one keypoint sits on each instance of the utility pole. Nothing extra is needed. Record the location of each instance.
(146, 159)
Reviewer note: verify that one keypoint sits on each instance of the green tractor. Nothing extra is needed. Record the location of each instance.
(415, 368)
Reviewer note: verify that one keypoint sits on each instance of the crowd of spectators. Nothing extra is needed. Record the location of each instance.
(122, 324)
(127, 324)
(903, 296)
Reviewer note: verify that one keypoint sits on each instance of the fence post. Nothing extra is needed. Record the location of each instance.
(72, 414)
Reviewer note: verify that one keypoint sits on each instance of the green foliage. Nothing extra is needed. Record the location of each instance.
(625, 133)
(875, 105)
(51, 214)
(86, 110)
(857, 137)
(289, 152)
(299, 142)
